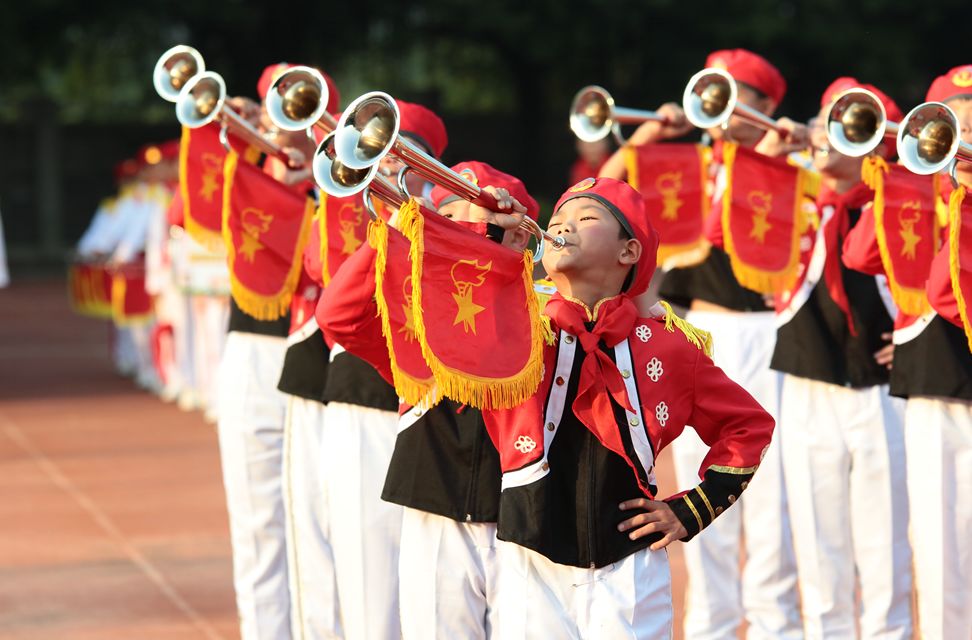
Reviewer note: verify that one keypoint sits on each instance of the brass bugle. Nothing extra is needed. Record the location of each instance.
(929, 139)
(174, 69)
(297, 100)
(368, 130)
(711, 98)
(857, 122)
(203, 100)
(594, 115)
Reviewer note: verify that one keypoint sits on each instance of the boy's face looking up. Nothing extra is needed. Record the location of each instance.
(597, 256)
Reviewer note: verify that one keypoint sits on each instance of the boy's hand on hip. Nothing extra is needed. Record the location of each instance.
(659, 519)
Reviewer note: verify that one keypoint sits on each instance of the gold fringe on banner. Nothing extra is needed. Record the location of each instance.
(748, 276)
(954, 233)
(412, 390)
(258, 305)
(322, 227)
(913, 302)
(461, 386)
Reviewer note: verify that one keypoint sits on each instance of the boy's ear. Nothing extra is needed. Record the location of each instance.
(631, 252)
(517, 239)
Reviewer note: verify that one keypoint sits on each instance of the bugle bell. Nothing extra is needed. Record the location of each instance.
(174, 69)
(711, 97)
(594, 115)
(297, 100)
(857, 122)
(929, 139)
(203, 100)
(368, 130)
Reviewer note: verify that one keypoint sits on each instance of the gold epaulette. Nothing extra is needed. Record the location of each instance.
(698, 337)
(544, 289)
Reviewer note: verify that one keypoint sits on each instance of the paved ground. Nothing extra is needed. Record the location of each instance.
(112, 517)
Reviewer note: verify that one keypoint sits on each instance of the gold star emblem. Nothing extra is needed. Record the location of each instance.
(468, 275)
(209, 186)
(468, 310)
(351, 241)
(409, 328)
(911, 240)
(760, 226)
(249, 247)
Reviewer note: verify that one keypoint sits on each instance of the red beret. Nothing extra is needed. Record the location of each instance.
(891, 109)
(842, 84)
(271, 73)
(751, 69)
(126, 169)
(483, 175)
(151, 154)
(424, 126)
(956, 82)
(628, 206)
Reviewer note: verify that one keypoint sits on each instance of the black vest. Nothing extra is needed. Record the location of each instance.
(351, 380)
(937, 362)
(445, 463)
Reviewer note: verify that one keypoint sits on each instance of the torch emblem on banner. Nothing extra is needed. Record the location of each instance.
(409, 328)
(908, 217)
(349, 218)
(761, 203)
(255, 223)
(468, 275)
(669, 184)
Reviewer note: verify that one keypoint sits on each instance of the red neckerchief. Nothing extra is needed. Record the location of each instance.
(600, 379)
(834, 233)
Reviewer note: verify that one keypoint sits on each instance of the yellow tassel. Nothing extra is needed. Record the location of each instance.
(322, 226)
(485, 393)
(913, 302)
(872, 172)
(954, 233)
(698, 337)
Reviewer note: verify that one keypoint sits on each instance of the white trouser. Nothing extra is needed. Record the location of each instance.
(183, 333)
(251, 438)
(123, 350)
(938, 437)
(365, 531)
(145, 374)
(211, 316)
(313, 590)
(539, 599)
(717, 597)
(448, 574)
(843, 451)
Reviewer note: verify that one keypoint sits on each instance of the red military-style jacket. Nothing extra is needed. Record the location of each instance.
(562, 486)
